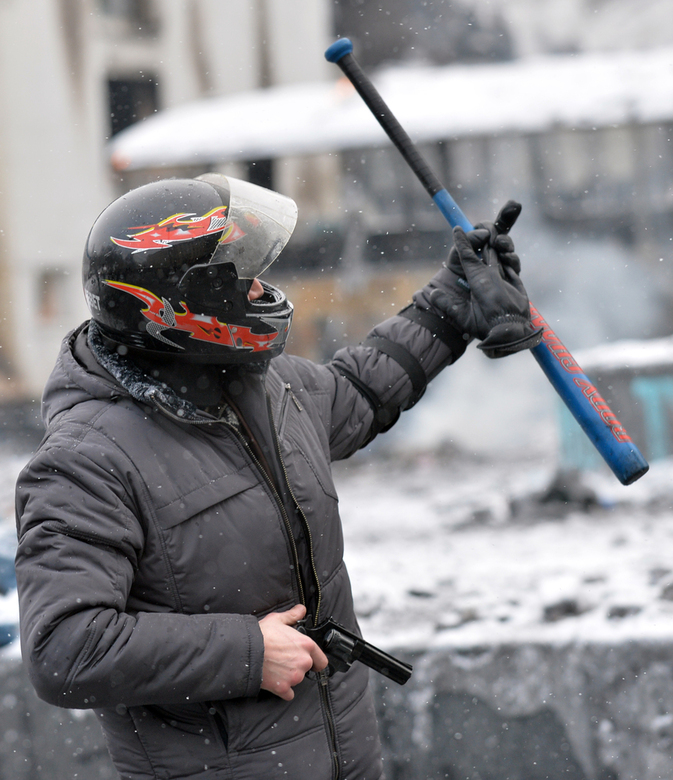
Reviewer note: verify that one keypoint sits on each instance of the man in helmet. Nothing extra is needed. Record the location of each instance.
(179, 518)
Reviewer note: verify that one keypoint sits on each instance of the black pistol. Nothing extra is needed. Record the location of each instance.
(342, 647)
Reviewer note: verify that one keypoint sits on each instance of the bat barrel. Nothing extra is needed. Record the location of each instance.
(587, 406)
(623, 457)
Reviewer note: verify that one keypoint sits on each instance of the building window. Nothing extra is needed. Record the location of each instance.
(136, 11)
(260, 172)
(52, 293)
(587, 177)
(130, 101)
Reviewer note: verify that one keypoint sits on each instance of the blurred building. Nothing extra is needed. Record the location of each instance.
(76, 73)
(73, 73)
(582, 140)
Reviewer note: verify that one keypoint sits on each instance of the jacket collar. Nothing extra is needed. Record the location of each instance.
(139, 385)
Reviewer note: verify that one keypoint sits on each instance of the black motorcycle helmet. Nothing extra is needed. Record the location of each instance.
(168, 266)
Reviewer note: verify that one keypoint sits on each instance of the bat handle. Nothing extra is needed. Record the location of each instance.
(340, 52)
(451, 210)
(339, 49)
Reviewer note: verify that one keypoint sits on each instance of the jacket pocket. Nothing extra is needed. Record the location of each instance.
(206, 495)
(288, 398)
(219, 548)
(300, 444)
(322, 472)
(175, 741)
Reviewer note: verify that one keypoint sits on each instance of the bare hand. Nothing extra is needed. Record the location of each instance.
(288, 654)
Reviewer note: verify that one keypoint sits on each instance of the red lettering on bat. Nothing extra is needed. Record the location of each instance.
(603, 409)
(554, 343)
(555, 346)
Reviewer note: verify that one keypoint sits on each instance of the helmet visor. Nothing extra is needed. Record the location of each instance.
(259, 225)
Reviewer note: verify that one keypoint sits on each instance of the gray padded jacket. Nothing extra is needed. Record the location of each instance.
(151, 542)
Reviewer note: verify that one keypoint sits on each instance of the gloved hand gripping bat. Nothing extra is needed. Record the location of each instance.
(479, 290)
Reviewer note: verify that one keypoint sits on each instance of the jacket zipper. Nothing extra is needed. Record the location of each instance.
(288, 394)
(323, 679)
(325, 701)
(262, 471)
(305, 524)
(279, 502)
(328, 717)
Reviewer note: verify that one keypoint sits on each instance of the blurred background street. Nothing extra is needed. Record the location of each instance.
(484, 521)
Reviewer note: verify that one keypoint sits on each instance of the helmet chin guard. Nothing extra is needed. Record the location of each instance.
(168, 267)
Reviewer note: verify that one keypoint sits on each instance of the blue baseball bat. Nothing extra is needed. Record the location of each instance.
(573, 386)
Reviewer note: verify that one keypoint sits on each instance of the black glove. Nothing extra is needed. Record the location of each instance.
(483, 297)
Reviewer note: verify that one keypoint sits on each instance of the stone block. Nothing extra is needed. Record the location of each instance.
(38, 740)
(529, 711)
(532, 712)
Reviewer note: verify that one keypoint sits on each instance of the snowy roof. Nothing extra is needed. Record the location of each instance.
(522, 96)
(628, 354)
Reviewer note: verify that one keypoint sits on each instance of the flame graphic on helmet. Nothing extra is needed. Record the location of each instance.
(162, 316)
(180, 227)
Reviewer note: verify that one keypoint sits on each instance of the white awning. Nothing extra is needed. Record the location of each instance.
(523, 96)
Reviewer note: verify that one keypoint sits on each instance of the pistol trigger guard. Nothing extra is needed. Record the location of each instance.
(343, 648)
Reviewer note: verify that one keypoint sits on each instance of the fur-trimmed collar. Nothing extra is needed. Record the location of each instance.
(144, 388)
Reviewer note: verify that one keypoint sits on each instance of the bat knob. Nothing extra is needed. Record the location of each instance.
(338, 50)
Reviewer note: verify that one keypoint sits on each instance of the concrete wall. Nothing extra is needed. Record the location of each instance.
(41, 741)
(533, 712)
(587, 711)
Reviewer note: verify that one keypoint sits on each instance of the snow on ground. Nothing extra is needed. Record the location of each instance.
(454, 549)
(459, 552)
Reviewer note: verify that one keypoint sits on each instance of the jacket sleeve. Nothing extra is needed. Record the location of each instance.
(387, 373)
(79, 543)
